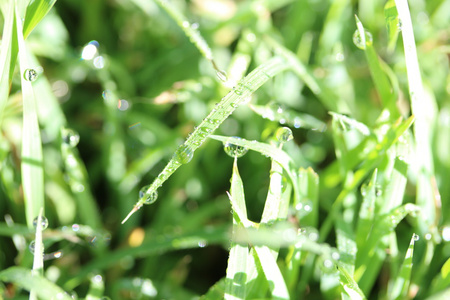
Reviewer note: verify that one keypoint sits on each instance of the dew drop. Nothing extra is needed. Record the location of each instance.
(183, 154)
(222, 75)
(359, 41)
(328, 265)
(234, 150)
(32, 247)
(335, 255)
(75, 227)
(284, 134)
(310, 232)
(30, 75)
(202, 244)
(148, 197)
(185, 24)
(416, 237)
(44, 222)
(70, 137)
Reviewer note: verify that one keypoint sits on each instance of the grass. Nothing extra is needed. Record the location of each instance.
(335, 115)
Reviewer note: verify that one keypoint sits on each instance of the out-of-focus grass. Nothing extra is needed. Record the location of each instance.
(329, 214)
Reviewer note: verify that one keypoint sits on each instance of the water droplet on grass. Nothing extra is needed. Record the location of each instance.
(75, 227)
(32, 247)
(222, 75)
(359, 41)
(30, 75)
(304, 208)
(446, 233)
(183, 154)
(70, 137)
(43, 221)
(416, 237)
(284, 134)
(310, 232)
(234, 150)
(147, 196)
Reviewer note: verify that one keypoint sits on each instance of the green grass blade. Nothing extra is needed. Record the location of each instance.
(236, 275)
(223, 109)
(309, 196)
(32, 164)
(401, 283)
(5, 55)
(442, 279)
(423, 107)
(36, 11)
(45, 289)
(289, 117)
(349, 285)
(367, 211)
(272, 272)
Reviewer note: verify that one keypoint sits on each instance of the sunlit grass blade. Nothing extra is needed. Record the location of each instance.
(96, 287)
(38, 252)
(367, 211)
(36, 11)
(32, 164)
(423, 107)
(289, 117)
(384, 225)
(272, 273)
(45, 289)
(309, 197)
(236, 275)
(5, 54)
(400, 286)
(349, 285)
(223, 109)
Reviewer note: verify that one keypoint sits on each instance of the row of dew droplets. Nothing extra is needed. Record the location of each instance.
(43, 222)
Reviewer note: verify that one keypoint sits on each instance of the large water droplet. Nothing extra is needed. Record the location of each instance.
(183, 154)
(284, 134)
(30, 75)
(147, 196)
(416, 237)
(234, 150)
(70, 137)
(359, 41)
(44, 222)
(446, 233)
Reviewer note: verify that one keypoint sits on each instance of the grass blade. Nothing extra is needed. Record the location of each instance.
(36, 11)
(236, 275)
(5, 54)
(400, 286)
(32, 164)
(45, 289)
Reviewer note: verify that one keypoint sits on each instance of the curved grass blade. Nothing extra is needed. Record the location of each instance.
(45, 289)
(290, 117)
(349, 285)
(5, 54)
(32, 164)
(401, 284)
(36, 11)
(223, 109)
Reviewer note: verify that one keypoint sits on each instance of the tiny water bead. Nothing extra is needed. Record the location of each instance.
(415, 237)
(30, 75)
(284, 134)
(43, 221)
(222, 75)
(183, 154)
(146, 196)
(70, 137)
(234, 150)
(359, 41)
(32, 247)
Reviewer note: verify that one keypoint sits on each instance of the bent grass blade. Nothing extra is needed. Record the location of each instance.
(224, 108)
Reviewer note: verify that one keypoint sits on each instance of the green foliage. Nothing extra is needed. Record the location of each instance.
(335, 115)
